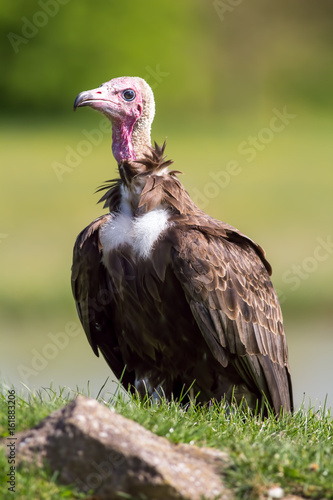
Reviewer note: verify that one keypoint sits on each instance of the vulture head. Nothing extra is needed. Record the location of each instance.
(129, 104)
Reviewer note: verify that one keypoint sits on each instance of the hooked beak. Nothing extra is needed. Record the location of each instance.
(83, 99)
(96, 98)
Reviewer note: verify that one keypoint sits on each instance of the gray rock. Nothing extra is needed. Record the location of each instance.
(96, 449)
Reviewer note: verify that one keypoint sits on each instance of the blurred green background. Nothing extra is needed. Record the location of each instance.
(244, 96)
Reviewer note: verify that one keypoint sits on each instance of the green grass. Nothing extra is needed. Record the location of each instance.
(34, 482)
(294, 452)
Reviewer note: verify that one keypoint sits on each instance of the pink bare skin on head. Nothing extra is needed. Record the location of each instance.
(128, 102)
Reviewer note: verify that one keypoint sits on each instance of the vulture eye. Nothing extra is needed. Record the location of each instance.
(128, 94)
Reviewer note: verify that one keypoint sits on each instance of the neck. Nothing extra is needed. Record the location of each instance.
(130, 141)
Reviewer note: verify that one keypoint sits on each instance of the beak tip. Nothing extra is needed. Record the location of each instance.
(77, 102)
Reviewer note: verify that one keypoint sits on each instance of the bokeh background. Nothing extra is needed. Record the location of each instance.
(244, 95)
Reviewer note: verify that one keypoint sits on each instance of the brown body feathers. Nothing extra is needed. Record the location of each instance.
(197, 306)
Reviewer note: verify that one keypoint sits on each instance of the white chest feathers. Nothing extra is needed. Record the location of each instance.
(140, 233)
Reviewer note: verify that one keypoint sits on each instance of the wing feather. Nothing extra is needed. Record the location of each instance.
(94, 296)
(226, 282)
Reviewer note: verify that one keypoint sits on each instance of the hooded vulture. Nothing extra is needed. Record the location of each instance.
(171, 297)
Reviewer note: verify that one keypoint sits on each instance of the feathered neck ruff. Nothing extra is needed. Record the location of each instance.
(148, 184)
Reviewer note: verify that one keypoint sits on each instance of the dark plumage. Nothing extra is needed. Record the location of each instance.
(168, 294)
